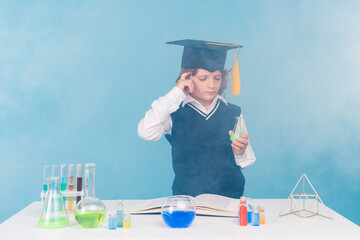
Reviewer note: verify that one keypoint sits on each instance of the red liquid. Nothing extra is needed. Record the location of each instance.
(243, 215)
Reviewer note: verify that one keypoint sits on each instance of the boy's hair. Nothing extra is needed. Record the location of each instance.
(224, 77)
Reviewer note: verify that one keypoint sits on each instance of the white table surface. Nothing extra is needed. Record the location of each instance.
(23, 225)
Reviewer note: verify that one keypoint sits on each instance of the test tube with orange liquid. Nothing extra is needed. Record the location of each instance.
(71, 186)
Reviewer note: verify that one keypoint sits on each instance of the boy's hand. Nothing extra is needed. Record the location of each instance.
(186, 85)
(239, 146)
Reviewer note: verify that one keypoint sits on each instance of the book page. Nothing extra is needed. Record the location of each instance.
(217, 202)
(150, 205)
(215, 212)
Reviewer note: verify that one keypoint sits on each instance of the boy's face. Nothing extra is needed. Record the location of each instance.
(206, 85)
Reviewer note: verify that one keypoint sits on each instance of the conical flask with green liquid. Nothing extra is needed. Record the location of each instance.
(53, 213)
(238, 129)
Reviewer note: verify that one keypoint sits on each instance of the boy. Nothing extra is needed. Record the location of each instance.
(196, 120)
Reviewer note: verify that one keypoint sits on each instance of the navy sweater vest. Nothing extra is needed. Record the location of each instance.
(202, 157)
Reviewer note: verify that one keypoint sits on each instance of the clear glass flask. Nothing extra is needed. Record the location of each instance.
(238, 129)
(53, 213)
(178, 211)
(90, 211)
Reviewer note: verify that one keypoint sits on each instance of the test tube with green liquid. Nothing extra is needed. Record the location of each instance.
(63, 179)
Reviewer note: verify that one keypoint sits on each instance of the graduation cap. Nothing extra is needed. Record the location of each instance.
(210, 56)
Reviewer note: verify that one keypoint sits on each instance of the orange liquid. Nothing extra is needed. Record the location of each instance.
(262, 218)
(71, 199)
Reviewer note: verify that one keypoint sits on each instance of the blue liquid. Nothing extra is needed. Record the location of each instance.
(255, 219)
(112, 223)
(249, 213)
(120, 217)
(178, 219)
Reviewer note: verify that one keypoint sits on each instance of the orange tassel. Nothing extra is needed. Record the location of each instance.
(235, 82)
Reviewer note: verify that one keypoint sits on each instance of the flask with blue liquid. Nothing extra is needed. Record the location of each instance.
(178, 211)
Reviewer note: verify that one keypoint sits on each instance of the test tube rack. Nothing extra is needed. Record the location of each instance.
(65, 194)
(74, 194)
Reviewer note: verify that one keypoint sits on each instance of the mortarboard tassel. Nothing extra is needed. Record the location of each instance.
(235, 81)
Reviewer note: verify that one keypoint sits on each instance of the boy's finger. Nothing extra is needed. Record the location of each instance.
(236, 148)
(239, 144)
(245, 136)
(184, 75)
(231, 132)
(242, 140)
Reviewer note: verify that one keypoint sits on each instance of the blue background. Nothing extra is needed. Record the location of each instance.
(77, 76)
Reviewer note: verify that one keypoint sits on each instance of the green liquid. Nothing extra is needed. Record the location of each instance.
(234, 136)
(90, 219)
(53, 222)
(63, 188)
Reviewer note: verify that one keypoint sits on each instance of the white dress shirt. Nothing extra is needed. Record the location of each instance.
(157, 121)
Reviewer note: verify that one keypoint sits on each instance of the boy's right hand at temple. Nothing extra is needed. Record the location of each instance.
(186, 85)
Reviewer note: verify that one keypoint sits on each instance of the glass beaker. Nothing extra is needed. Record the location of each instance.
(53, 213)
(90, 211)
(238, 129)
(178, 211)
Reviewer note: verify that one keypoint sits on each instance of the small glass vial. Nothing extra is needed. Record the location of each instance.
(250, 209)
(112, 222)
(120, 213)
(262, 215)
(255, 218)
(243, 212)
(127, 221)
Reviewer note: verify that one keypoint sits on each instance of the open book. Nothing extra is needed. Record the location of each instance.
(206, 204)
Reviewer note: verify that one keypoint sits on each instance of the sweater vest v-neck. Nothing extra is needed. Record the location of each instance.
(202, 156)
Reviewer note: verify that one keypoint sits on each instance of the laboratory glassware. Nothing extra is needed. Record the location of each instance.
(255, 219)
(120, 213)
(90, 211)
(55, 171)
(79, 180)
(127, 221)
(238, 129)
(63, 179)
(250, 209)
(112, 221)
(178, 211)
(243, 212)
(46, 176)
(262, 214)
(71, 186)
(53, 213)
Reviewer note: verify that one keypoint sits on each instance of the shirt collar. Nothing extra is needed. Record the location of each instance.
(190, 99)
